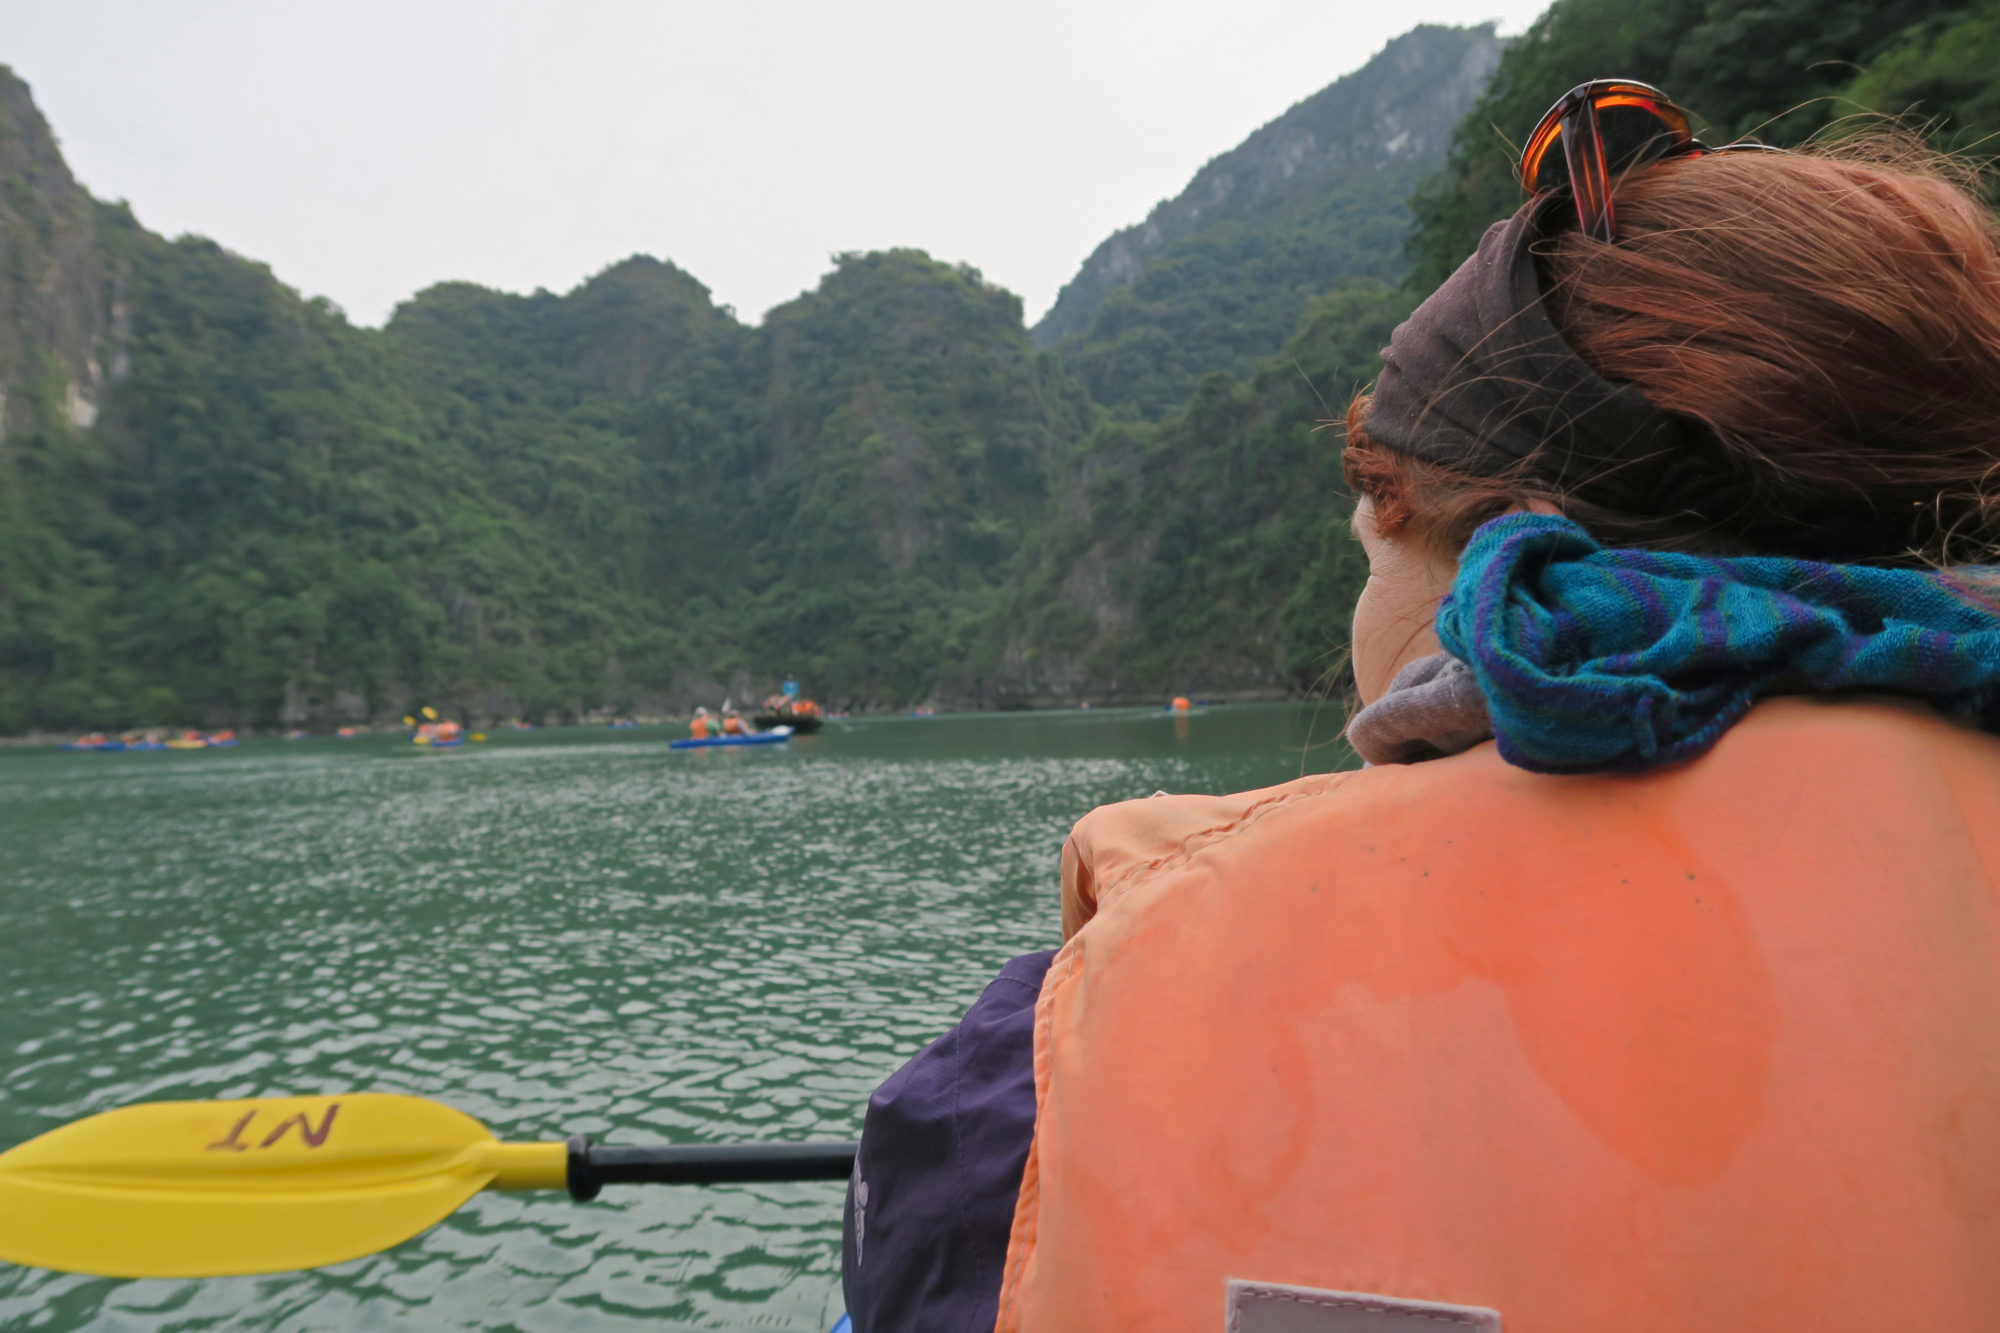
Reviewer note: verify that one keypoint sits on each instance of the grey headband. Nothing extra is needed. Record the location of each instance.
(1479, 379)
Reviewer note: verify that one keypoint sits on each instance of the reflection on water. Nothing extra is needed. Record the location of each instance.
(555, 933)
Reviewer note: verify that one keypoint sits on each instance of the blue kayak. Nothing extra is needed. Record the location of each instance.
(775, 736)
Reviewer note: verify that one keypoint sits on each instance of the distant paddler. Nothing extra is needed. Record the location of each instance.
(788, 709)
(698, 728)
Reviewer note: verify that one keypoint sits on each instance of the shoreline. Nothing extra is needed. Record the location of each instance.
(649, 718)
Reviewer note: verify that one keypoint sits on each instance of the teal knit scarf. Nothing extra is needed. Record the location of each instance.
(1614, 661)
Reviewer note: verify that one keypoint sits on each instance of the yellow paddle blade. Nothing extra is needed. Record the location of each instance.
(409, 721)
(430, 712)
(202, 1189)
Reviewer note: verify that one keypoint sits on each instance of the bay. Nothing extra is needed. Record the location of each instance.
(556, 932)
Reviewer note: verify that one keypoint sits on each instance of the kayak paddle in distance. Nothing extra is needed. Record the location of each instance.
(269, 1184)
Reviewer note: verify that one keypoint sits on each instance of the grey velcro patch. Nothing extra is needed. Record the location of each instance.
(1268, 1307)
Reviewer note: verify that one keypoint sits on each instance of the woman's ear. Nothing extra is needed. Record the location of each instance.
(1537, 505)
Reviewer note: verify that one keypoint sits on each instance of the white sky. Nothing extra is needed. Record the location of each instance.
(368, 148)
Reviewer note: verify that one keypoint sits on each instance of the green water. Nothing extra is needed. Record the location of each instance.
(555, 932)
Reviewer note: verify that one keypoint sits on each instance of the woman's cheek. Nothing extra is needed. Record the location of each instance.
(1370, 677)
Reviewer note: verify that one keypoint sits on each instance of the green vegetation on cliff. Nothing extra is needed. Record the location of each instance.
(1209, 551)
(303, 517)
(908, 436)
(1944, 74)
(1217, 278)
(222, 503)
(536, 504)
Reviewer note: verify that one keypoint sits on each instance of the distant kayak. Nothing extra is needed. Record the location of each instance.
(804, 724)
(439, 735)
(776, 737)
(788, 710)
(98, 741)
(101, 743)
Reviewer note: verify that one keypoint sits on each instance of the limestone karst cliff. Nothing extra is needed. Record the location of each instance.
(59, 300)
(1217, 277)
(221, 502)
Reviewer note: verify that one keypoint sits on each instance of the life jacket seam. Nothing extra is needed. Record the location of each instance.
(1205, 838)
(1024, 1235)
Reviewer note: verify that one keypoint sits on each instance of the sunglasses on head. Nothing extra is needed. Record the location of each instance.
(1605, 128)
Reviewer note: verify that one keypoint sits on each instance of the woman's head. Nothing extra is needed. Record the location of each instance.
(1821, 335)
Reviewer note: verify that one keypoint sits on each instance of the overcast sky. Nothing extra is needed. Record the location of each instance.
(368, 148)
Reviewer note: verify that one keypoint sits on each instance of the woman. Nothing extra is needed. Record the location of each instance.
(1649, 979)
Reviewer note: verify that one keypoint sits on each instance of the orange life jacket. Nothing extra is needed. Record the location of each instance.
(698, 729)
(732, 726)
(1710, 1050)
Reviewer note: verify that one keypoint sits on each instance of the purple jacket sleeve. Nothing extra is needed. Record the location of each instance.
(943, 1146)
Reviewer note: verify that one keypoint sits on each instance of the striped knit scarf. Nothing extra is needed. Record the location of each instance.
(1614, 661)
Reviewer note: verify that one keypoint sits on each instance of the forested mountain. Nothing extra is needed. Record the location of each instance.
(1217, 277)
(220, 502)
(255, 512)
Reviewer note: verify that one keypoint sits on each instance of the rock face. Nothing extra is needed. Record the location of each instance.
(1209, 551)
(221, 503)
(59, 307)
(904, 401)
(1398, 110)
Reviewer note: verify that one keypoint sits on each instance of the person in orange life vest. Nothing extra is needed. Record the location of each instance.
(698, 728)
(732, 725)
(1646, 977)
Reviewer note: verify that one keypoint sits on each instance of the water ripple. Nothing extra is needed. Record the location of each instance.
(556, 934)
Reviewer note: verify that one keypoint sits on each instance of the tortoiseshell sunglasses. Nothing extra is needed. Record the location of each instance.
(1607, 127)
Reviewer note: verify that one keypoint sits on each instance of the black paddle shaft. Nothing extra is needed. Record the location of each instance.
(592, 1166)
